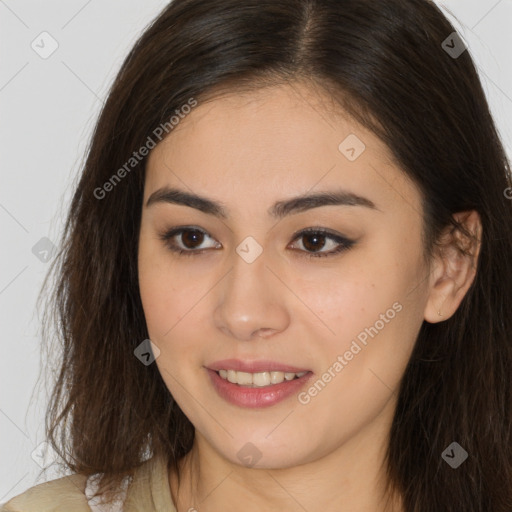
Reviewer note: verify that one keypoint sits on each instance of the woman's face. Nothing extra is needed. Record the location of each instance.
(345, 306)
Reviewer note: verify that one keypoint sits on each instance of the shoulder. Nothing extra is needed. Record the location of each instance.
(66, 493)
(74, 493)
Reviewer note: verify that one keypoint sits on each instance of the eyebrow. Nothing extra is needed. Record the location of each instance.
(279, 210)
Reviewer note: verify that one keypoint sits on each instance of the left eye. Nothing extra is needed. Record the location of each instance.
(316, 238)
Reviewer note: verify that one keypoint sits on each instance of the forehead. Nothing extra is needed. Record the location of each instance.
(282, 140)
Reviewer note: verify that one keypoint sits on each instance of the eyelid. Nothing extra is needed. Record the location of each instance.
(318, 229)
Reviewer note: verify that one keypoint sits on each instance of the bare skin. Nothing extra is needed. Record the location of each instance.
(248, 152)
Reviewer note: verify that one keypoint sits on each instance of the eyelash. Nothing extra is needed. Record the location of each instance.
(345, 243)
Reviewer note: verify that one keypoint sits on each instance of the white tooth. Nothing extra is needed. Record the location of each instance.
(261, 379)
(244, 378)
(276, 377)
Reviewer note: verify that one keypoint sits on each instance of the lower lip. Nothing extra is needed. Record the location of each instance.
(256, 397)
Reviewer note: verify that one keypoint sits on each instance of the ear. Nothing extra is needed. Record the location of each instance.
(454, 267)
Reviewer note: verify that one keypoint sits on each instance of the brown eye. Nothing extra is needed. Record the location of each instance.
(313, 242)
(188, 241)
(192, 238)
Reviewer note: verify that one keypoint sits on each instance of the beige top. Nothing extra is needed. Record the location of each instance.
(148, 491)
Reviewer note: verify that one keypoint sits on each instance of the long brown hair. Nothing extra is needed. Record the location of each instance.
(386, 64)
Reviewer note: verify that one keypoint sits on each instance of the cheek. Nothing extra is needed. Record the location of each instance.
(351, 295)
(152, 295)
(166, 290)
(367, 309)
(362, 363)
(173, 308)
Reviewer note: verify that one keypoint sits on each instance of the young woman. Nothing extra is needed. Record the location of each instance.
(285, 281)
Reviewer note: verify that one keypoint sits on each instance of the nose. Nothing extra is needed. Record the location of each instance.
(251, 301)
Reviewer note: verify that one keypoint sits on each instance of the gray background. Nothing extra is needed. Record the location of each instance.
(48, 108)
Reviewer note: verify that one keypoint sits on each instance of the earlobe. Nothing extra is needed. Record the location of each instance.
(455, 265)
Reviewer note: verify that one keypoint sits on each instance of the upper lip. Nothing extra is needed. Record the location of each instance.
(254, 366)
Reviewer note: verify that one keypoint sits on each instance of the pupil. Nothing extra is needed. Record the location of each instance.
(190, 237)
(318, 243)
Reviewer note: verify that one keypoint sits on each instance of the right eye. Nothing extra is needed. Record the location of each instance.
(186, 241)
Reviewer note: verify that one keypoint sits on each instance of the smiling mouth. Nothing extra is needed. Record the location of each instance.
(258, 379)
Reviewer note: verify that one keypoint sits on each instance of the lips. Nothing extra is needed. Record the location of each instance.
(257, 397)
(254, 366)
